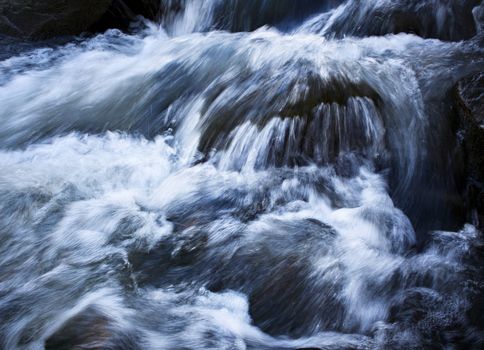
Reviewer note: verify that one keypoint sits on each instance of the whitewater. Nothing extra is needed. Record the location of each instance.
(200, 183)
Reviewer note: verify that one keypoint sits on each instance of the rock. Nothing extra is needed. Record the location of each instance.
(478, 13)
(471, 92)
(32, 19)
(122, 12)
(91, 329)
(440, 19)
(470, 109)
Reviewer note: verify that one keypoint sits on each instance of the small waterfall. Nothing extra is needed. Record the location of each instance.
(188, 16)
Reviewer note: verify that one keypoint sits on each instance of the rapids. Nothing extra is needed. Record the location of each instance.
(241, 175)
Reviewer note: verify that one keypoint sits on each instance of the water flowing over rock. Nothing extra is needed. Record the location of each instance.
(234, 174)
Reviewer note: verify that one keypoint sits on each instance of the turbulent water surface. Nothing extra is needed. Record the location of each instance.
(240, 175)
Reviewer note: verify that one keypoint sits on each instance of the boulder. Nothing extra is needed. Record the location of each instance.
(32, 19)
(91, 329)
(469, 94)
(440, 19)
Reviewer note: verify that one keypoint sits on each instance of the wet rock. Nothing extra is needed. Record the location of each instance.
(122, 13)
(273, 268)
(478, 13)
(471, 92)
(247, 15)
(470, 109)
(304, 107)
(42, 19)
(32, 19)
(434, 318)
(442, 19)
(90, 329)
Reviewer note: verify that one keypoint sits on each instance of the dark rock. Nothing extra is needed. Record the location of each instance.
(43, 19)
(471, 92)
(123, 12)
(31, 19)
(470, 108)
(441, 19)
(91, 329)
(313, 105)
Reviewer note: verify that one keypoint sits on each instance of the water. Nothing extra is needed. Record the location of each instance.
(213, 184)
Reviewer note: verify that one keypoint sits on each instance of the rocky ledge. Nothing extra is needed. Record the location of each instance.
(470, 108)
(33, 19)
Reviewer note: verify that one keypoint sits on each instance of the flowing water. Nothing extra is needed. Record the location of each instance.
(240, 175)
